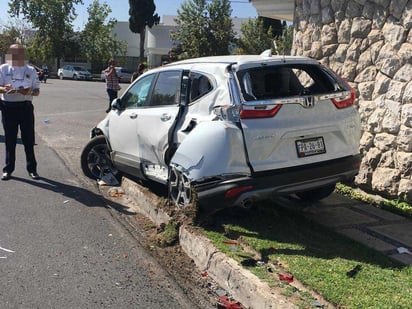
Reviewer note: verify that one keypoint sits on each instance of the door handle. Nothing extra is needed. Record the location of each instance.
(133, 116)
(165, 117)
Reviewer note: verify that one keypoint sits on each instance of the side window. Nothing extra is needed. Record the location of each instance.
(167, 89)
(200, 85)
(137, 95)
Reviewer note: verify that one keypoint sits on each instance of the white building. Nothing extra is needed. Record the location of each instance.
(158, 42)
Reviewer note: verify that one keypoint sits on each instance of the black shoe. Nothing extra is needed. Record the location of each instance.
(34, 175)
(6, 176)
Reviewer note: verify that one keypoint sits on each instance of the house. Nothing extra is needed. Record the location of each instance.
(158, 42)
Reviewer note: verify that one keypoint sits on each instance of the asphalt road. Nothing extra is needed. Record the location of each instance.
(60, 245)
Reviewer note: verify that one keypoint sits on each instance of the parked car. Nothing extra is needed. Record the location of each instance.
(124, 75)
(74, 72)
(232, 130)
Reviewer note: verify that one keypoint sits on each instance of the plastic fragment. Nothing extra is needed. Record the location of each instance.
(286, 277)
(403, 250)
(231, 242)
(225, 302)
(7, 250)
(318, 304)
(65, 201)
(204, 274)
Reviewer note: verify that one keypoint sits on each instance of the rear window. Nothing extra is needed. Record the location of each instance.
(274, 82)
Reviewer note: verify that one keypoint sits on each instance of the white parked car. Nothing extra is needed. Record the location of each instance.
(74, 72)
(124, 75)
(232, 130)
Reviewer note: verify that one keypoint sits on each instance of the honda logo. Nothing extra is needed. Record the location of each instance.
(308, 102)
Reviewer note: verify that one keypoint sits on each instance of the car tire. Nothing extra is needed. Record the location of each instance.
(180, 191)
(75, 77)
(316, 194)
(95, 159)
(61, 76)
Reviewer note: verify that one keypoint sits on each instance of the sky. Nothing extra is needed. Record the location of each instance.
(120, 10)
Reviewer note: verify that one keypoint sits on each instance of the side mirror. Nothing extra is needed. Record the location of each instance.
(117, 104)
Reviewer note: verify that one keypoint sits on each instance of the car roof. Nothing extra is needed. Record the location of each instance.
(238, 62)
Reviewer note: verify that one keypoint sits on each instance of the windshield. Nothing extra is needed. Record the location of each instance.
(79, 69)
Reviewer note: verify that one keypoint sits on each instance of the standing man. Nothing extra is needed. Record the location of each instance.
(18, 84)
(112, 82)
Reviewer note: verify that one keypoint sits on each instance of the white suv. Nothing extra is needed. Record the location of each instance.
(232, 130)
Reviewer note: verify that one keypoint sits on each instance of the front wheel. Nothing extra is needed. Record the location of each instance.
(75, 77)
(316, 194)
(61, 76)
(95, 159)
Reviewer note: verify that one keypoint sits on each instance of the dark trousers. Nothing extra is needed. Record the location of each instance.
(15, 115)
(112, 95)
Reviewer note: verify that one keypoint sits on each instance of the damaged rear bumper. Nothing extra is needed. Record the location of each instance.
(244, 191)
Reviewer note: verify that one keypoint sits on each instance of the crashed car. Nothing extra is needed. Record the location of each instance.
(232, 130)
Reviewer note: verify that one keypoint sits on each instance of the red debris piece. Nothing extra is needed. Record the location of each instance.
(204, 274)
(285, 277)
(225, 302)
(231, 242)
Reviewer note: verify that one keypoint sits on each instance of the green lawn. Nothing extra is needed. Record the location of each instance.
(316, 256)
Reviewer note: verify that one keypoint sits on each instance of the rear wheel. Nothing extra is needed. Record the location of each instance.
(180, 190)
(316, 194)
(95, 159)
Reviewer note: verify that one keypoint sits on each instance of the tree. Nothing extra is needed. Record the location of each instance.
(141, 14)
(97, 40)
(284, 42)
(16, 30)
(204, 29)
(254, 38)
(258, 35)
(52, 20)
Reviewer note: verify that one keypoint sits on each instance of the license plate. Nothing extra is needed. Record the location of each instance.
(310, 147)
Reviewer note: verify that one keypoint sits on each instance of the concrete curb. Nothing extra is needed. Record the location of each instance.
(241, 284)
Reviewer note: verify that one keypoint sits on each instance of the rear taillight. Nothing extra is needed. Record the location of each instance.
(346, 100)
(259, 111)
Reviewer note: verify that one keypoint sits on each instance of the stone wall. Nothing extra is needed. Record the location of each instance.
(369, 43)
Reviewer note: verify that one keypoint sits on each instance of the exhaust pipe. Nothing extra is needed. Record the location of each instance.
(247, 203)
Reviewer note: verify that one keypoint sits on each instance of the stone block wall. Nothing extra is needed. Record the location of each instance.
(369, 43)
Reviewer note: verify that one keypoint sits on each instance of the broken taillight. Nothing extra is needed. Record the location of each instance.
(259, 111)
(347, 100)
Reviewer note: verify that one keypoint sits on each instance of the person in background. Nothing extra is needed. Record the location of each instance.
(18, 84)
(140, 70)
(112, 82)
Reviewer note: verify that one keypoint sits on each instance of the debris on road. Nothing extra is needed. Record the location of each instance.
(225, 302)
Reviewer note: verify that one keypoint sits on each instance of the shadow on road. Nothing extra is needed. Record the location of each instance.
(83, 196)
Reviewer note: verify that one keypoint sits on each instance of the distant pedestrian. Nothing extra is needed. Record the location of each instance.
(112, 82)
(140, 70)
(18, 84)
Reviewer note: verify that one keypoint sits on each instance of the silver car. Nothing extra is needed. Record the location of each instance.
(232, 130)
(74, 72)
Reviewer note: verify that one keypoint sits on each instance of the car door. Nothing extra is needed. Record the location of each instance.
(123, 125)
(156, 121)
